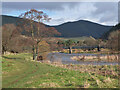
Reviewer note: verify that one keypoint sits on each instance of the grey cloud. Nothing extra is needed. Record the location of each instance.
(103, 7)
(60, 19)
(107, 11)
(109, 17)
(37, 5)
(119, 12)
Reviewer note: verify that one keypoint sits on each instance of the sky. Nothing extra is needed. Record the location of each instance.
(105, 13)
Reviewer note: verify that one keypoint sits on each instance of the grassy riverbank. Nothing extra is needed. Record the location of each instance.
(19, 71)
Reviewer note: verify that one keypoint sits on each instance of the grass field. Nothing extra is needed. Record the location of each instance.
(18, 71)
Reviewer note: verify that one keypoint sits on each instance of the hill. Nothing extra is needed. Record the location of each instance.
(82, 28)
(9, 19)
(114, 28)
(70, 29)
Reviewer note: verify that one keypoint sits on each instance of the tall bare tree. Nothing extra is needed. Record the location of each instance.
(32, 23)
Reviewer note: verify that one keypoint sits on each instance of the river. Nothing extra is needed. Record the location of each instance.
(65, 59)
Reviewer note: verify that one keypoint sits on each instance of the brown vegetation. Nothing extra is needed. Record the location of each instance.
(9, 32)
(106, 58)
(113, 40)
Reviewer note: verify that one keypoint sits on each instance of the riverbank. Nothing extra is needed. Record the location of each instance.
(20, 71)
(79, 51)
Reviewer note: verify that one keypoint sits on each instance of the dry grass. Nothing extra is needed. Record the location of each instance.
(49, 85)
(106, 58)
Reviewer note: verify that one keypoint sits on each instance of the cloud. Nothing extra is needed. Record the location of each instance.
(108, 12)
(101, 12)
(37, 5)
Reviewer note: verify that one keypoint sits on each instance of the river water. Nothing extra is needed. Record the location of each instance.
(65, 59)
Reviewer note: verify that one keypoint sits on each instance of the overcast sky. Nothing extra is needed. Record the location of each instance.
(105, 13)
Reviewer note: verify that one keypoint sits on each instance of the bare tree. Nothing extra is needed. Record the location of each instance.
(32, 23)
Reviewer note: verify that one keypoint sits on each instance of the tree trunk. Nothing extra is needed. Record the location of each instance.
(70, 50)
(98, 48)
(36, 51)
(33, 52)
(4, 50)
(33, 45)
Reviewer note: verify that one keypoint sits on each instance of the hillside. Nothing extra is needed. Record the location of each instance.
(82, 28)
(114, 28)
(70, 29)
(9, 19)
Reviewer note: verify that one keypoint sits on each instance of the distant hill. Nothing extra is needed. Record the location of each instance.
(114, 28)
(82, 28)
(71, 29)
(9, 19)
